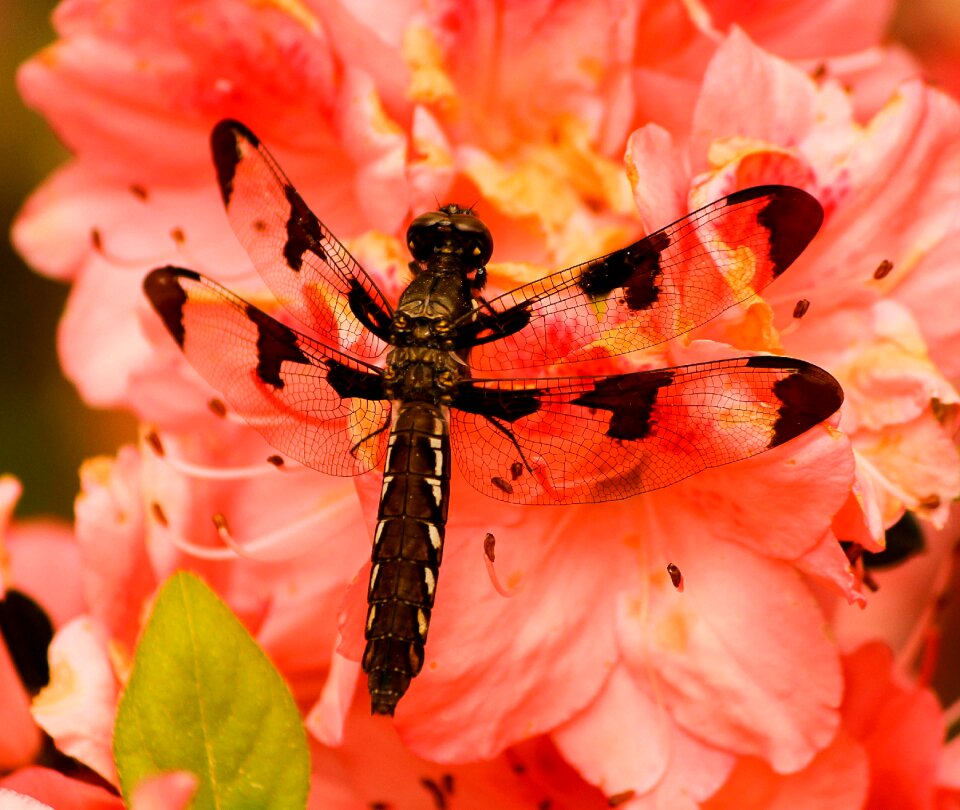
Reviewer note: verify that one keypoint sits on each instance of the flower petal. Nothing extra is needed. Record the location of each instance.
(77, 707)
(837, 778)
(168, 791)
(900, 725)
(662, 765)
(20, 741)
(742, 654)
(500, 669)
(59, 791)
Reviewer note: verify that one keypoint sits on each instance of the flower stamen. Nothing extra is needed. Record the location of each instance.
(271, 464)
(176, 234)
(489, 555)
(676, 576)
(274, 545)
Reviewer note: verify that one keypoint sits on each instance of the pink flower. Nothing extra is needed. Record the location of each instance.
(141, 518)
(127, 545)
(643, 690)
(886, 355)
(39, 561)
(370, 122)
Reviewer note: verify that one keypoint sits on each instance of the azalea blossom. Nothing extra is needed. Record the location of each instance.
(583, 655)
(26, 573)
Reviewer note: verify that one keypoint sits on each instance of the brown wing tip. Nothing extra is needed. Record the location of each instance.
(791, 217)
(807, 396)
(164, 291)
(227, 131)
(224, 146)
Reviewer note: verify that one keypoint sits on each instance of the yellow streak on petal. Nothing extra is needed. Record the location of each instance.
(49, 56)
(513, 580)
(523, 188)
(671, 632)
(601, 182)
(429, 81)
(99, 469)
(62, 686)
(756, 330)
(580, 200)
(6, 574)
(512, 274)
(432, 153)
(726, 151)
(120, 659)
(294, 9)
(379, 250)
(739, 267)
(377, 117)
(361, 424)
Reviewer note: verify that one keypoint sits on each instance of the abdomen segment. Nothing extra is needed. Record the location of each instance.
(407, 549)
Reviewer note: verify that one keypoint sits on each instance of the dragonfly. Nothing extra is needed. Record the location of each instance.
(445, 372)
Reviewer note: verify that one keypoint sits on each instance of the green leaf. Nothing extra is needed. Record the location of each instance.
(203, 697)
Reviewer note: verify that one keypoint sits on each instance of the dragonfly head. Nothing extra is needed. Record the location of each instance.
(451, 230)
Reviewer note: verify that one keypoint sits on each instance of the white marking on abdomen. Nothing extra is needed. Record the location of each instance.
(435, 488)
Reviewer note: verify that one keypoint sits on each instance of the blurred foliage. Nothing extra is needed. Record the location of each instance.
(45, 431)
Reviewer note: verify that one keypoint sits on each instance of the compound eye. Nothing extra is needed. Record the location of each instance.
(476, 239)
(450, 226)
(482, 248)
(422, 235)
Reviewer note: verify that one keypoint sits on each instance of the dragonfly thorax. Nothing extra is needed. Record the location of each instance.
(429, 307)
(417, 373)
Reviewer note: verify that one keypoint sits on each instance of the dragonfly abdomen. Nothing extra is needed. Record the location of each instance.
(407, 549)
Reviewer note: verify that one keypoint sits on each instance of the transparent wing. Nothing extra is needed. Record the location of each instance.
(303, 263)
(585, 439)
(313, 403)
(652, 291)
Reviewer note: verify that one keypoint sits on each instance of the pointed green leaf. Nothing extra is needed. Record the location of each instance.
(203, 697)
